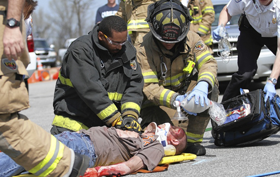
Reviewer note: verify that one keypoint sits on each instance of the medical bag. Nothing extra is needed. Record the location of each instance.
(255, 120)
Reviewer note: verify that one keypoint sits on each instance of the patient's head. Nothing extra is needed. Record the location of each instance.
(176, 136)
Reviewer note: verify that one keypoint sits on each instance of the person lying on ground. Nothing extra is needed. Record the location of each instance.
(125, 152)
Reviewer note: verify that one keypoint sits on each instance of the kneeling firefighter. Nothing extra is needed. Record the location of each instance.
(175, 61)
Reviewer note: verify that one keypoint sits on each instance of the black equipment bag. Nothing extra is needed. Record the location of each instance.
(262, 121)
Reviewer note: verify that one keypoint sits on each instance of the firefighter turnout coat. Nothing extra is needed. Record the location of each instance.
(154, 65)
(165, 76)
(95, 88)
(203, 14)
(134, 12)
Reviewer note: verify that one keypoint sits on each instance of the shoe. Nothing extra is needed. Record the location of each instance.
(195, 148)
(80, 166)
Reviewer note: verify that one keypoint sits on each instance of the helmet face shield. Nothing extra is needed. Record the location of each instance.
(169, 21)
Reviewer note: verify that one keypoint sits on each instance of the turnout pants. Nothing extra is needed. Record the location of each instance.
(195, 125)
(25, 142)
(249, 47)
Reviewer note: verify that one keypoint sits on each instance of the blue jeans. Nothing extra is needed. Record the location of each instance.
(80, 143)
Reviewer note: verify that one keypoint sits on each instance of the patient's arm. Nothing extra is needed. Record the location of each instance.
(133, 164)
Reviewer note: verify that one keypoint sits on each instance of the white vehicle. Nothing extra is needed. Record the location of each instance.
(226, 67)
(45, 52)
(61, 52)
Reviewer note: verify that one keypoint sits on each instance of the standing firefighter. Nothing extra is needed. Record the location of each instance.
(134, 12)
(203, 14)
(174, 61)
(26, 143)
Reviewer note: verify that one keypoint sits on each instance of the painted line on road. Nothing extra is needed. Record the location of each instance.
(266, 174)
(201, 161)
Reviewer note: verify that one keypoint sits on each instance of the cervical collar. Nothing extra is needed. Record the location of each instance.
(162, 138)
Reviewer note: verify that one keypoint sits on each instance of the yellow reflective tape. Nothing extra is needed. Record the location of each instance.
(66, 122)
(166, 20)
(208, 75)
(107, 111)
(205, 56)
(49, 159)
(137, 24)
(58, 158)
(150, 77)
(209, 41)
(182, 18)
(130, 105)
(208, 9)
(158, 16)
(150, 80)
(149, 73)
(204, 29)
(176, 21)
(194, 138)
(64, 80)
(165, 97)
(174, 80)
(114, 96)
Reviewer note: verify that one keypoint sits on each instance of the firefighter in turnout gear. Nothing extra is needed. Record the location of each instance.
(134, 12)
(203, 14)
(174, 61)
(26, 143)
(100, 82)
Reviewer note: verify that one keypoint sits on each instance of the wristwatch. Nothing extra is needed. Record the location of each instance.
(273, 80)
(11, 22)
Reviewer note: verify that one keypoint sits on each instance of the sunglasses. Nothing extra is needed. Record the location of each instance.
(114, 43)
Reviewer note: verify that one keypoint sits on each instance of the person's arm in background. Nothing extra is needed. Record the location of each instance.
(98, 17)
(269, 88)
(12, 38)
(224, 16)
(223, 19)
(133, 164)
(276, 67)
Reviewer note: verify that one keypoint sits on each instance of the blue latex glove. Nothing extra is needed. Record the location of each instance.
(216, 34)
(190, 113)
(200, 92)
(270, 91)
(180, 98)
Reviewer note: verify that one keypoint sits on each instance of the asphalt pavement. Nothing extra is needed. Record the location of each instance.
(259, 159)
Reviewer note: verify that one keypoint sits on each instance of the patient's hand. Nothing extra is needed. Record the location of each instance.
(91, 172)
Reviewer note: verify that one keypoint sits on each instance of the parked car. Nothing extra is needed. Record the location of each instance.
(61, 52)
(226, 67)
(45, 52)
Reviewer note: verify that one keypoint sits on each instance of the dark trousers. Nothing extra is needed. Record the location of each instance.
(249, 47)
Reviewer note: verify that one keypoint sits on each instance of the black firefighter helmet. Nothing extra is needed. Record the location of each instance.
(169, 20)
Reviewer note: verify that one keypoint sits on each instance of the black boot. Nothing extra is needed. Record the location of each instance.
(80, 166)
(195, 148)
